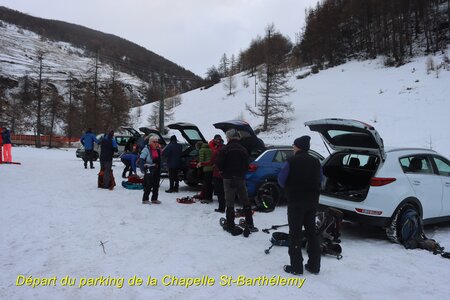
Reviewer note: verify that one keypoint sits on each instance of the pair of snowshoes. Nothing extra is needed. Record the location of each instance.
(241, 228)
(186, 200)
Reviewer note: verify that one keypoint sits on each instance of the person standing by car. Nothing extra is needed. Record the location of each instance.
(172, 152)
(232, 161)
(151, 156)
(87, 140)
(301, 177)
(6, 136)
(204, 157)
(216, 144)
(108, 146)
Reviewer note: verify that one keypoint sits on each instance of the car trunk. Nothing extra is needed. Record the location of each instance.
(254, 145)
(347, 175)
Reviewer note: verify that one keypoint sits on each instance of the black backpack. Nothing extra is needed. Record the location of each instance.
(328, 226)
(412, 235)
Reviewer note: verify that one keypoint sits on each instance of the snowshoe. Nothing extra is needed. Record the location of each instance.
(236, 230)
(244, 225)
(186, 200)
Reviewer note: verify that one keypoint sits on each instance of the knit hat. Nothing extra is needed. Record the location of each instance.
(217, 136)
(232, 134)
(173, 138)
(302, 142)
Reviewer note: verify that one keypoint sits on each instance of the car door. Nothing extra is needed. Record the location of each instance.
(426, 184)
(443, 168)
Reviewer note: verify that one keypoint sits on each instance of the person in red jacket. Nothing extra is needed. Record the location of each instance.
(216, 144)
(6, 137)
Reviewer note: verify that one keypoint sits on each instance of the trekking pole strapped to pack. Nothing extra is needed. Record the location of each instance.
(328, 224)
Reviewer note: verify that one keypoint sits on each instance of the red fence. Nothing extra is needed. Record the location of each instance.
(57, 141)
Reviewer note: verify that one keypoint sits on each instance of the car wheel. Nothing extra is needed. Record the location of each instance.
(267, 196)
(393, 231)
(190, 177)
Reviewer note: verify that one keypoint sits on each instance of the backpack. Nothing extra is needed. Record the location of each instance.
(411, 232)
(328, 224)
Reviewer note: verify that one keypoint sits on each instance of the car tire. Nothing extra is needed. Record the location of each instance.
(394, 229)
(190, 177)
(267, 196)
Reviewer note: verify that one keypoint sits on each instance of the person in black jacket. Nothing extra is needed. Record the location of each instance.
(108, 146)
(172, 152)
(301, 178)
(232, 161)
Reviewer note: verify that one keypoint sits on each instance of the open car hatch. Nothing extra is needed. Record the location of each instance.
(345, 134)
(189, 131)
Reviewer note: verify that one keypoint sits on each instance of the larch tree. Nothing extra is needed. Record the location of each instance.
(273, 83)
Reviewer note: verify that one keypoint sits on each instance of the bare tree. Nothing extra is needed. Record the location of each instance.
(54, 108)
(224, 66)
(273, 85)
(230, 82)
(39, 101)
(154, 117)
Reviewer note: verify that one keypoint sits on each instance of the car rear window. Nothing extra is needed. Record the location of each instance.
(416, 164)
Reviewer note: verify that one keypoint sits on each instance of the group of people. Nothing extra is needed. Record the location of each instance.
(224, 168)
(6, 141)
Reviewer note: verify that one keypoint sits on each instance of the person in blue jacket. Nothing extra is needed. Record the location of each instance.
(129, 160)
(87, 140)
(172, 152)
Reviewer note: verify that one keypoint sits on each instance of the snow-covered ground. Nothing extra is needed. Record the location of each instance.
(53, 218)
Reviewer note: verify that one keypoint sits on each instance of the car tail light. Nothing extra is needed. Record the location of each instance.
(379, 181)
(193, 163)
(368, 211)
(252, 167)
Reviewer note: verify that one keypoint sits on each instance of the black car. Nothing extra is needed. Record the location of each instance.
(192, 135)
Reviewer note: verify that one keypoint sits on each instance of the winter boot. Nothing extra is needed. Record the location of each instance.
(221, 207)
(249, 219)
(230, 226)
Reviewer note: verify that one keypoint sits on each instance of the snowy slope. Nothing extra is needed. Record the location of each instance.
(406, 105)
(19, 50)
(53, 217)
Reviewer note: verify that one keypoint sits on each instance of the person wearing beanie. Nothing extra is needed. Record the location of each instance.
(232, 160)
(301, 178)
(108, 146)
(172, 152)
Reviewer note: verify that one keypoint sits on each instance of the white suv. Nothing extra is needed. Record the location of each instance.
(375, 186)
